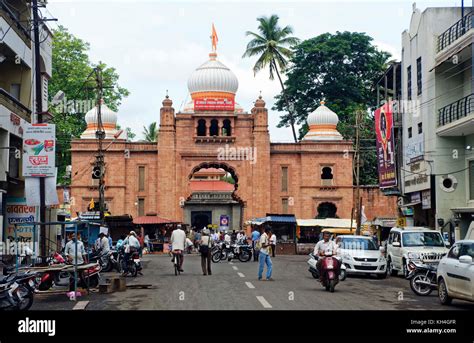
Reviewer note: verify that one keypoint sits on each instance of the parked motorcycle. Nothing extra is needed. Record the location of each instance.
(422, 277)
(314, 271)
(219, 252)
(59, 277)
(17, 291)
(108, 261)
(241, 251)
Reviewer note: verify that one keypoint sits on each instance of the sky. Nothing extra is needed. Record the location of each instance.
(155, 45)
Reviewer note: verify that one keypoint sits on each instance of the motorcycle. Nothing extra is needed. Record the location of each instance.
(108, 260)
(330, 270)
(219, 252)
(241, 251)
(59, 278)
(315, 273)
(422, 278)
(134, 265)
(17, 291)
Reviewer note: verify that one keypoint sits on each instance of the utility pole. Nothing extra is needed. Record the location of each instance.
(39, 115)
(358, 206)
(100, 135)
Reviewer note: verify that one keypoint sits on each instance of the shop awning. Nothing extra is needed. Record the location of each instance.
(274, 218)
(328, 222)
(463, 209)
(152, 220)
(385, 222)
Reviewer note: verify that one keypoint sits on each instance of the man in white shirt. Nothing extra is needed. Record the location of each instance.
(321, 248)
(273, 243)
(70, 251)
(178, 242)
(131, 244)
(227, 237)
(264, 255)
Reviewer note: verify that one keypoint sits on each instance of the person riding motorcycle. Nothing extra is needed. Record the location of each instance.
(320, 250)
(130, 244)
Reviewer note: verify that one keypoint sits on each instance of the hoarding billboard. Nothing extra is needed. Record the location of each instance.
(385, 146)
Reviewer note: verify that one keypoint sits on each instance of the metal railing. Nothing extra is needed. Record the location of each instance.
(15, 106)
(456, 110)
(455, 31)
(14, 22)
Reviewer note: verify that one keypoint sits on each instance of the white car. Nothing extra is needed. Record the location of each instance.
(361, 255)
(455, 273)
(419, 244)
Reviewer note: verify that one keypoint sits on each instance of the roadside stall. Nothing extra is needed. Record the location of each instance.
(283, 226)
(308, 231)
(158, 230)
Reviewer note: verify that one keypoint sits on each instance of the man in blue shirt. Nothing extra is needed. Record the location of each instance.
(255, 238)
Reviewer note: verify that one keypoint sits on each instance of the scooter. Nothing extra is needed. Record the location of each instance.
(54, 277)
(17, 291)
(314, 271)
(330, 269)
(422, 278)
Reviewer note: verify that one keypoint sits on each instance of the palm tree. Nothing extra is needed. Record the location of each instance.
(150, 132)
(272, 44)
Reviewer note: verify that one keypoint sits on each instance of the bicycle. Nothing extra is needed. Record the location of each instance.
(176, 261)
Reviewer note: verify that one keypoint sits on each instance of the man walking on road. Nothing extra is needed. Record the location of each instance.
(273, 243)
(178, 242)
(264, 257)
(255, 238)
(205, 249)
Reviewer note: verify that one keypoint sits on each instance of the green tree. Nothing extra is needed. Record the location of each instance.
(272, 46)
(130, 134)
(342, 69)
(72, 74)
(150, 132)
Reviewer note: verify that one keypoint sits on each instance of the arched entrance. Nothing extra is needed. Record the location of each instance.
(212, 199)
(326, 210)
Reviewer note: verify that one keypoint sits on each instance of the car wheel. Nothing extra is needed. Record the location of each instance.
(404, 268)
(443, 295)
(390, 269)
(382, 276)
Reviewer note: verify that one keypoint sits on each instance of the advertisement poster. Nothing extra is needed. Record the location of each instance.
(17, 212)
(214, 104)
(39, 149)
(385, 146)
(224, 222)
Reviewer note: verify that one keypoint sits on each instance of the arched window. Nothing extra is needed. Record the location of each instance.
(201, 129)
(214, 131)
(326, 176)
(226, 129)
(326, 210)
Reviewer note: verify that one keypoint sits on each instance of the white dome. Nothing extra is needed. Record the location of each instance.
(213, 76)
(108, 116)
(322, 116)
(109, 122)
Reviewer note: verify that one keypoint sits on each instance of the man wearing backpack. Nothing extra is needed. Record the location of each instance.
(264, 253)
(205, 246)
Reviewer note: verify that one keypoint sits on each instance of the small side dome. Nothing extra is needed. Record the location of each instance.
(109, 122)
(322, 124)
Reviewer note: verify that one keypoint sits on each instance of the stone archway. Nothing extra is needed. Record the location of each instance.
(326, 210)
(217, 165)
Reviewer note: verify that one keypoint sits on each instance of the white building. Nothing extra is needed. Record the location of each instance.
(17, 95)
(437, 173)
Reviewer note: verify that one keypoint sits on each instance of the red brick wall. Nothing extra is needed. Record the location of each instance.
(377, 204)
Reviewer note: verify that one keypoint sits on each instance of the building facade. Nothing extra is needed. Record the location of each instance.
(310, 178)
(438, 168)
(17, 91)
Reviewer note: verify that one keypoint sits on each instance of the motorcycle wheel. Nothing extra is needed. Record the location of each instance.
(327, 287)
(315, 275)
(94, 281)
(108, 267)
(332, 285)
(132, 269)
(422, 290)
(244, 256)
(343, 275)
(27, 301)
(44, 286)
(216, 257)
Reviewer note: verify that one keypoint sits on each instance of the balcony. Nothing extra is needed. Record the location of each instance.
(457, 118)
(456, 31)
(15, 24)
(14, 106)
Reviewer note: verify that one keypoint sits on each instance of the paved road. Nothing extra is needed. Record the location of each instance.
(234, 286)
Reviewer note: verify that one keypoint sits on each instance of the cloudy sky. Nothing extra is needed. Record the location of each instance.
(156, 44)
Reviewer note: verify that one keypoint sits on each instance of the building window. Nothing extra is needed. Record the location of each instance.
(15, 90)
(141, 206)
(227, 129)
(284, 205)
(326, 210)
(420, 128)
(214, 131)
(201, 128)
(418, 76)
(141, 178)
(409, 82)
(326, 176)
(284, 179)
(471, 180)
(410, 132)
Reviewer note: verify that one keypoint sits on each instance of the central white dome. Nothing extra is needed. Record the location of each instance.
(323, 116)
(213, 76)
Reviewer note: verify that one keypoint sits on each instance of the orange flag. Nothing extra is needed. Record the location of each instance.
(214, 38)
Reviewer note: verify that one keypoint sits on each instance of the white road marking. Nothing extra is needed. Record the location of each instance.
(249, 285)
(264, 302)
(81, 305)
(240, 274)
(235, 268)
(231, 262)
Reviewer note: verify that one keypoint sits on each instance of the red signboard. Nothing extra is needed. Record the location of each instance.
(215, 104)
(385, 146)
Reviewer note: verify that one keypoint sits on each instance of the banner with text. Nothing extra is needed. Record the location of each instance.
(39, 149)
(385, 146)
